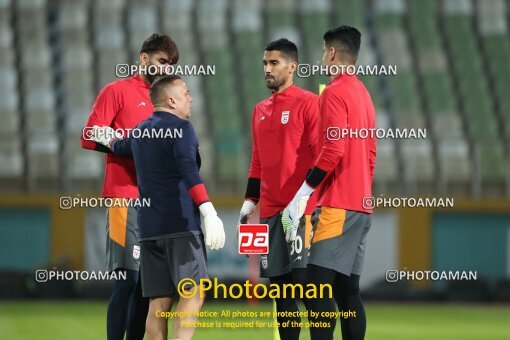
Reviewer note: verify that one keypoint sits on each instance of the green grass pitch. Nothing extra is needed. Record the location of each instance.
(86, 320)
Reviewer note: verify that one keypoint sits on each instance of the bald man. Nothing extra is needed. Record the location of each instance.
(167, 161)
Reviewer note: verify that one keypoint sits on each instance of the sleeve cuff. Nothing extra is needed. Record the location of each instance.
(315, 177)
(253, 189)
(198, 194)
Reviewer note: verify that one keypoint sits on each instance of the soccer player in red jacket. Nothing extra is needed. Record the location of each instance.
(284, 132)
(344, 170)
(123, 104)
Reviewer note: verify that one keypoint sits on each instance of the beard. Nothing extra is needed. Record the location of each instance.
(152, 76)
(274, 83)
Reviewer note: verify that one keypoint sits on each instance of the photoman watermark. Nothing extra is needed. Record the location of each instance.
(188, 288)
(89, 133)
(68, 202)
(127, 70)
(430, 275)
(44, 275)
(310, 70)
(371, 202)
(334, 133)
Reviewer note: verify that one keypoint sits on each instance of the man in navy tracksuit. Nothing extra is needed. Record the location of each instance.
(165, 151)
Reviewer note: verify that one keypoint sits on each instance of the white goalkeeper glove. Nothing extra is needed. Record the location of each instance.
(214, 232)
(246, 210)
(104, 135)
(293, 212)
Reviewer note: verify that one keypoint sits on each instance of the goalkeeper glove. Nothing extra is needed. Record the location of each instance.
(246, 210)
(293, 212)
(214, 232)
(104, 135)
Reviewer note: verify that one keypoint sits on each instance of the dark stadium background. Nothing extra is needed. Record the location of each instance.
(453, 60)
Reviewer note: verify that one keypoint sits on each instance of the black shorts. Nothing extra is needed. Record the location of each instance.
(283, 256)
(167, 261)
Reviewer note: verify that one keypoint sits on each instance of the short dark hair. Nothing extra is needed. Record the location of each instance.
(346, 38)
(287, 47)
(159, 84)
(161, 43)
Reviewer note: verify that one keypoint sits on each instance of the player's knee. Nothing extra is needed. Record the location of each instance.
(128, 281)
(347, 285)
(192, 304)
(299, 276)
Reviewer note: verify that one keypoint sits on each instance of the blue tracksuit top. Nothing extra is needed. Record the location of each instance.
(166, 168)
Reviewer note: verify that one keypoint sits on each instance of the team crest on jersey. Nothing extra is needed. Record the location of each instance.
(285, 117)
(136, 252)
(263, 260)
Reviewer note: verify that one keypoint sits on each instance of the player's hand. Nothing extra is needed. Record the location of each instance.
(289, 226)
(103, 135)
(293, 212)
(246, 210)
(214, 232)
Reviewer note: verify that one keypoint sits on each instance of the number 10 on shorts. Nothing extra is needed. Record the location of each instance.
(253, 239)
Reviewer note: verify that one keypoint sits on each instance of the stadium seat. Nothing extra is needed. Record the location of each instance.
(490, 160)
(493, 27)
(31, 27)
(473, 87)
(6, 32)
(11, 156)
(77, 57)
(37, 79)
(9, 80)
(42, 155)
(249, 45)
(77, 89)
(491, 17)
(9, 97)
(222, 106)
(39, 109)
(387, 161)
(419, 162)
(112, 5)
(30, 4)
(72, 15)
(10, 118)
(212, 16)
(314, 21)
(349, 12)
(142, 21)
(81, 163)
(247, 16)
(75, 119)
(395, 51)
(454, 160)
(462, 7)
(43, 60)
(232, 158)
(367, 57)
(106, 60)
(177, 14)
(386, 168)
(281, 21)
